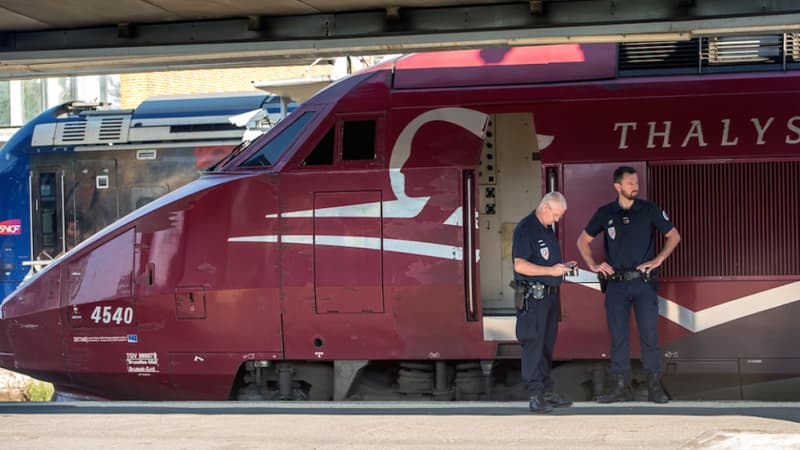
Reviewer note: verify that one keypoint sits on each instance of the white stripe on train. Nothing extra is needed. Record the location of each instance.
(501, 328)
(365, 242)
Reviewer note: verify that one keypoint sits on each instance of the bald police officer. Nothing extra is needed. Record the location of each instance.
(537, 273)
(628, 224)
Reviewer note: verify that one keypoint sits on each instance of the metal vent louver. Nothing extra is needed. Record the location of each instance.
(73, 132)
(94, 130)
(793, 47)
(736, 219)
(712, 54)
(766, 49)
(111, 128)
(658, 55)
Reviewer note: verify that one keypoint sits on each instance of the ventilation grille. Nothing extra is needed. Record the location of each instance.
(73, 132)
(711, 54)
(727, 50)
(111, 128)
(735, 219)
(658, 55)
(94, 130)
(793, 47)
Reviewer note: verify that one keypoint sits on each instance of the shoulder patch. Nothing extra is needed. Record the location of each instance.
(664, 213)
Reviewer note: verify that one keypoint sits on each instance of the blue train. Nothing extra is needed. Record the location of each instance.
(78, 166)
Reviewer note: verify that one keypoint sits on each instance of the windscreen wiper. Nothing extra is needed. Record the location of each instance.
(236, 150)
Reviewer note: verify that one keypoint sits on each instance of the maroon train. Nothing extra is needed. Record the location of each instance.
(361, 248)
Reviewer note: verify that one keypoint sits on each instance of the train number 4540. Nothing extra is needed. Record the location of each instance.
(112, 314)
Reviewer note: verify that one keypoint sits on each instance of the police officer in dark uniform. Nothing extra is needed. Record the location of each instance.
(537, 275)
(629, 276)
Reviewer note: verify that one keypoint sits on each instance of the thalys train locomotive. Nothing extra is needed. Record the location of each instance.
(361, 249)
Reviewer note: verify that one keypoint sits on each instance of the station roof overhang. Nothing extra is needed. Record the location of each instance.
(40, 38)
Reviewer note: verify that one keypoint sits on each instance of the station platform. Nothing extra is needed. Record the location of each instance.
(372, 425)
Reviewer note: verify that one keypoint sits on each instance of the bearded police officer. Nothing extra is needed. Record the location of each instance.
(629, 277)
(537, 275)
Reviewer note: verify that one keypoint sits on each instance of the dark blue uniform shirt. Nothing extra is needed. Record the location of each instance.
(628, 233)
(536, 244)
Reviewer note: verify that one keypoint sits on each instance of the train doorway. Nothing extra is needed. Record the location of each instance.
(47, 216)
(509, 187)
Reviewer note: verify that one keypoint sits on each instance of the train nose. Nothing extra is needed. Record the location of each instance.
(6, 353)
(30, 329)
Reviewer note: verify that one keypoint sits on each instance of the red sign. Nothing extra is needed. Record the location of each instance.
(11, 227)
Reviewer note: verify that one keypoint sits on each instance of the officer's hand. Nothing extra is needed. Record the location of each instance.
(561, 269)
(649, 265)
(603, 268)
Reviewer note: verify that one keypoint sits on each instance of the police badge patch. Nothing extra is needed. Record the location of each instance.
(612, 233)
(545, 252)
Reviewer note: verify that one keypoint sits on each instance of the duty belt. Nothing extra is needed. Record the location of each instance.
(628, 275)
(548, 290)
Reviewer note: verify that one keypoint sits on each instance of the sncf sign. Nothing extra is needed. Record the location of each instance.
(11, 227)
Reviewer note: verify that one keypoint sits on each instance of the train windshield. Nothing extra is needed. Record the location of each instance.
(270, 152)
(221, 163)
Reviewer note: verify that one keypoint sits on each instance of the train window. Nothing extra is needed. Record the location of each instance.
(5, 107)
(323, 152)
(358, 140)
(270, 152)
(75, 230)
(47, 186)
(144, 194)
(48, 210)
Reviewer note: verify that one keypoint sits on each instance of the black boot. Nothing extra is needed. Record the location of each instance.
(619, 392)
(555, 400)
(655, 393)
(539, 405)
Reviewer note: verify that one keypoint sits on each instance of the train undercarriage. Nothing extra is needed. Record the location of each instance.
(497, 380)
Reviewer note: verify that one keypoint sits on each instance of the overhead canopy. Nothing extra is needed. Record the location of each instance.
(72, 37)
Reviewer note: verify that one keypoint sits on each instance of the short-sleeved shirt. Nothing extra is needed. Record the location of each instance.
(536, 244)
(629, 233)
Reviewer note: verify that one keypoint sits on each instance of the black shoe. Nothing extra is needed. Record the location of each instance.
(619, 392)
(655, 393)
(539, 405)
(555, 400)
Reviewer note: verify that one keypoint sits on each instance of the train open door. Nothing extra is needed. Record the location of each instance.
(509, 188)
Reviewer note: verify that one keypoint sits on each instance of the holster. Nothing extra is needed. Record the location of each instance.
(603, 282)
(652, 280)
(519, 294)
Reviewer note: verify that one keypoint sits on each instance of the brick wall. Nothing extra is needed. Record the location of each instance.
(135, 87)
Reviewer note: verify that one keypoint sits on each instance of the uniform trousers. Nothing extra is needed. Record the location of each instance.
(536, 329)
(620, 296)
